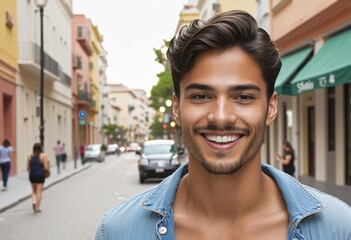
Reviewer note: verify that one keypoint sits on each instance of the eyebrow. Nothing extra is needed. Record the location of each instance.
(244, 87)
(232, 88)
(199, 86)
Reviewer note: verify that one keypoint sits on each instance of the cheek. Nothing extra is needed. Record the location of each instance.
(192, 115)
(252, 115)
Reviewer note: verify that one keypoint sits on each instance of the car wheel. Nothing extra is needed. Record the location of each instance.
(141, 179)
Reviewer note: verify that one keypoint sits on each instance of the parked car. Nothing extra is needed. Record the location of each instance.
(132, 147)
(158, 159)
(93, 152)
(112, 148)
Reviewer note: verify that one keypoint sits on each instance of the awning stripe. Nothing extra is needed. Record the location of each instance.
(329, 67)
(291, 63)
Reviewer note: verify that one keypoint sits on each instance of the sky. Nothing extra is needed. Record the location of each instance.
(131, 29)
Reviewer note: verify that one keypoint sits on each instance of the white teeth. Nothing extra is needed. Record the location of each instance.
(222, 139)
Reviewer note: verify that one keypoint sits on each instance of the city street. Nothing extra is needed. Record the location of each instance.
(72, 208)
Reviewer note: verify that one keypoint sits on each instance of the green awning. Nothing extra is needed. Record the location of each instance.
(291, 63)
(329, 67)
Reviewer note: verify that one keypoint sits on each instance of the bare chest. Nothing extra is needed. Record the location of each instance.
(273, 227)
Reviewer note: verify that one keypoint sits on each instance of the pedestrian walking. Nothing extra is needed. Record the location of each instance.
(37, 164)
(224, 71)
(287, 158)
(64, 155)
(58, 155)
(82, 152)
(5, 162)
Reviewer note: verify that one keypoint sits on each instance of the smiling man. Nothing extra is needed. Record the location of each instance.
(223, 73)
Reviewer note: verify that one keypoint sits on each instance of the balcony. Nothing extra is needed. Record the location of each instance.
(76, 61)
(65, 78)
(93, 106)
(84, 98)
(29, 61)
(83, 37)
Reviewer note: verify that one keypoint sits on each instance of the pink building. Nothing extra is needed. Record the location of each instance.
(81, 89)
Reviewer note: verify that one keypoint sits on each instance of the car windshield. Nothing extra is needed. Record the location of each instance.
(93, 147)
(159, 149)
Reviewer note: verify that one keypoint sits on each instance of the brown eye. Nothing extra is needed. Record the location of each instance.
(245, 98)
(199, 96)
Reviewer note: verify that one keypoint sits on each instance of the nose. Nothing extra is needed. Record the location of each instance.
(222, 112)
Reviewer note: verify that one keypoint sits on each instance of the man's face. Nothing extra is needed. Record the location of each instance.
(223, 110)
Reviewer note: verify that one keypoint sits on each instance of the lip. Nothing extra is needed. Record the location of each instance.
(222, 147)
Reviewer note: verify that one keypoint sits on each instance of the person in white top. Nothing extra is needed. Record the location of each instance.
(5, 162)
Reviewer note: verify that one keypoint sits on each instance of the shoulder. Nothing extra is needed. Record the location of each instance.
(333, 222)
(42, 157)
(128, 219)
(333, 204)
(289, 151)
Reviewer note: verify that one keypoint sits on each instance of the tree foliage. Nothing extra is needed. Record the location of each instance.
(163, 90)
(115, 130)
(156, 128)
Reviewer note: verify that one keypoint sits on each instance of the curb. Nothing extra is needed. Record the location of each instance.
(26, 196)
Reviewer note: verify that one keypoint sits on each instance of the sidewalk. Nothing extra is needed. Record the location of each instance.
(20, 189)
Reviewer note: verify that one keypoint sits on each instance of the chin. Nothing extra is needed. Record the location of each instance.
(222, 166)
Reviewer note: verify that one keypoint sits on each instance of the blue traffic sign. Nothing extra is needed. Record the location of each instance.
(82, 114)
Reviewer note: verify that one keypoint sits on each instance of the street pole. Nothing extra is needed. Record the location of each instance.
(41, 127)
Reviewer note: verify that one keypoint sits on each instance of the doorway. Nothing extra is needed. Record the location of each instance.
(311, 141)
(348, 134)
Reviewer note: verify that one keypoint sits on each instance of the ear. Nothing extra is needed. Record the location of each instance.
(175, 109)
(272, 109)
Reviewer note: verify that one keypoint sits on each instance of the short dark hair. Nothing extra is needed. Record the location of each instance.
(6, 143)
(225, 30)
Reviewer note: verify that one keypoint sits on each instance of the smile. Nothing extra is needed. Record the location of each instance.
(221, 139)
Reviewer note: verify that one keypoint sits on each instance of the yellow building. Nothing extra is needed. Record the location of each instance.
(94, 119)
(8, 69)
(208, 8)
(204, 9)
(188, 14)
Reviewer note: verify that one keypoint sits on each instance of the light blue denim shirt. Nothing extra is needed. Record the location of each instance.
(149, 216)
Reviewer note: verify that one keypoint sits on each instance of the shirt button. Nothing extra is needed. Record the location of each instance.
(162, 230)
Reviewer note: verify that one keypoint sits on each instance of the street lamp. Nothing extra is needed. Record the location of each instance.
(41, 4)
(168, 103)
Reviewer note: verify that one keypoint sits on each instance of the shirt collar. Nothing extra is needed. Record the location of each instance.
(299, 201)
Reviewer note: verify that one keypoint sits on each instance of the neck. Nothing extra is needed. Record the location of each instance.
(231, 196)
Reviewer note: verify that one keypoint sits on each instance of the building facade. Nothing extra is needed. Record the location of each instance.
(103, 97)
(208, 8)
(130, 110)
(314, 89)
(57, 77)
(8, 69)
(81, 89)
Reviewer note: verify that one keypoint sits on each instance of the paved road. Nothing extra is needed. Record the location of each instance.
(72, 208)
